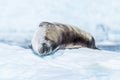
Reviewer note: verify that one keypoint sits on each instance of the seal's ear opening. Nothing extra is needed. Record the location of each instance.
(45, 24)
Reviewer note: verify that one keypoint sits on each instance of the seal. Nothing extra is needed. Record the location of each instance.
(51, 36)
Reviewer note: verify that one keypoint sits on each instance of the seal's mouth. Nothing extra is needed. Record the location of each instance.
(47, 51)
(44, 50)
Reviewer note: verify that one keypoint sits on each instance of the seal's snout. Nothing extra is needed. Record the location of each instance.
(44, 49)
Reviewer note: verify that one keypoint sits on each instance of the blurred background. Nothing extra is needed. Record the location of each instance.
(20, 18)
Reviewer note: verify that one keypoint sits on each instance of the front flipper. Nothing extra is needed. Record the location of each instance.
(70, 46)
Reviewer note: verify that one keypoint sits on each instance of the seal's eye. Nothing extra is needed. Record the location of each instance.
(44, 44)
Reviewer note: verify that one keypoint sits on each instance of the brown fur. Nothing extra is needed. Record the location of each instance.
(67, 36)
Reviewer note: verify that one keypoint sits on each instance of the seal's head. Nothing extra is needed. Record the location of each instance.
(40, 44)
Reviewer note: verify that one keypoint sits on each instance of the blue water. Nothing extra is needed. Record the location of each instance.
(115, 48)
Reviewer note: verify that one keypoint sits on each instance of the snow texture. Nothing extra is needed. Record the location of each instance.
(17, 63)
(19, 19)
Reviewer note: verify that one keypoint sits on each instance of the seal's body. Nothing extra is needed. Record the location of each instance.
(50, 36)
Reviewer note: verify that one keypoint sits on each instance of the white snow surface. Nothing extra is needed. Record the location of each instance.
(20, 18)
(17, 63)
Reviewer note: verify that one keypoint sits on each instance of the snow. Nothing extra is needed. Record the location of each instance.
(70, 64)
(19, 19)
